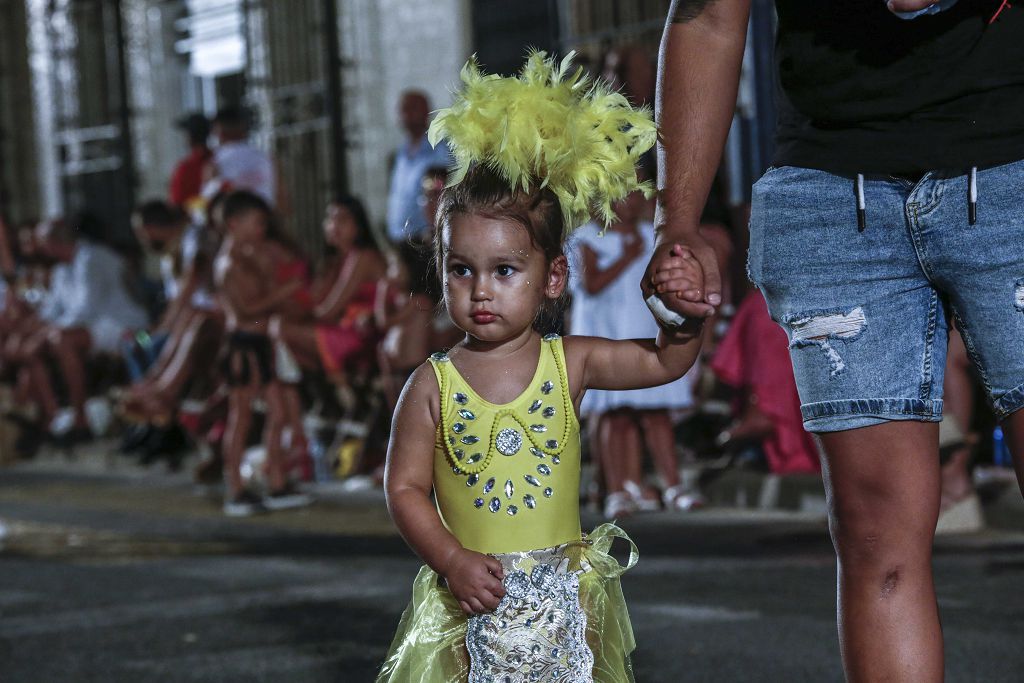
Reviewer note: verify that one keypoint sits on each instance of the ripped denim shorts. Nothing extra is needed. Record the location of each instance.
(867, 300)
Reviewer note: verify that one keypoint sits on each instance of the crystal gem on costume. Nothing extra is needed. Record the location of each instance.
(512, 510)
(551, 443)
(547, 387)
(495, 505)
(458, 427)
(440, 356)
(551, 336)
(544, 469)
(475, 458)
(555, 460)
(479, 502)
(489, 486)
(508, 441)
(548, 492)
(510, 490)
(536, 451)
(532, 480)
(459, 454)
(535, 406)
(539, 429)
(472, 480)
(460, 398)
(466, 414)
(469, 440)
(529, 501)
(548, 412)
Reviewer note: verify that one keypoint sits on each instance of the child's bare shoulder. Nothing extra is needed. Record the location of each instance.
(422, 394)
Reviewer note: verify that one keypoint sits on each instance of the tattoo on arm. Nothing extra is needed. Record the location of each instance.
(683, 11)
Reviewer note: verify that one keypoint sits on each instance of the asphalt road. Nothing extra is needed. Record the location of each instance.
(134, 578)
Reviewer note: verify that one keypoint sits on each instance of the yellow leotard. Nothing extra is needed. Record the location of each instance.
(507, 477)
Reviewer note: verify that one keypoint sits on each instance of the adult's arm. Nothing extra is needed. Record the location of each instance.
(698, 75)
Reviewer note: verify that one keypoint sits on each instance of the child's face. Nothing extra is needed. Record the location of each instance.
(495, 278)
(248, 226)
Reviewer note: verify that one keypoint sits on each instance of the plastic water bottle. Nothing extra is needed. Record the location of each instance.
(1000, 453)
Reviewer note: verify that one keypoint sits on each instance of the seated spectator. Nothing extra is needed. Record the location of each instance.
(753, 357)
(342, 327)
(409, 311)
(88, 309)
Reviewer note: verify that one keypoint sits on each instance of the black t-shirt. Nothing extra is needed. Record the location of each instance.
(863, 91)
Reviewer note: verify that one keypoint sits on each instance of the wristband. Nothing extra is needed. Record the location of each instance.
(663, 314)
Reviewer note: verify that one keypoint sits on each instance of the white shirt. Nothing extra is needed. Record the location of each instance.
(90, 292)
(405, 215)
(247, 168)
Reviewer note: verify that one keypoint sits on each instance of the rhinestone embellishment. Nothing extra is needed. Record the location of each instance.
(512, 510)
(494, 505)
(548, 492)
(549, 412)
(551, 443)
(555, 460)
(536, 451)
(460, 398)
(532, 480)
(459, 454)
(472, 480)
(466, 414)
(508, 441)
(510, 490)
(458, 427)
(535, 406)
(469, 440)
(489, 485)
(544, 469)
(475, 458)
(440, 357)
(479, 502)
(528, 500)
(539, 429)
(547, 387)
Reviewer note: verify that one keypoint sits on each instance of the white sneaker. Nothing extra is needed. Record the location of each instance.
(287, 499)
(245, 504)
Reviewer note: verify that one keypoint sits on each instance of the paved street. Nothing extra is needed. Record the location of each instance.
(130, 576)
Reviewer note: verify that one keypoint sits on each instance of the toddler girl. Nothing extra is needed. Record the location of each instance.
(513, 590)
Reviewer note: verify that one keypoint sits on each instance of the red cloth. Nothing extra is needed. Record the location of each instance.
(297, 269)
(187, 179)
(754, 356)
(354, 336)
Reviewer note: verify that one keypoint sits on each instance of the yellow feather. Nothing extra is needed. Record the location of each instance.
(549, 128)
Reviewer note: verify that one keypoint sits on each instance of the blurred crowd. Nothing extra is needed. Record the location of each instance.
(216, 333)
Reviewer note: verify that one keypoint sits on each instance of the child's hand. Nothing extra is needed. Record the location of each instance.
(475, 581)
(679, 273)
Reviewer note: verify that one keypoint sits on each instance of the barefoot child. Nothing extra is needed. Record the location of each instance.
(513, 590)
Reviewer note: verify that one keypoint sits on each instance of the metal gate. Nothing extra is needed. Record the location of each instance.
(85, 42)
(294, 88)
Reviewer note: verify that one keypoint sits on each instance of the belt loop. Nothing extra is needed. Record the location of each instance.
(972, 196)
(862, 214)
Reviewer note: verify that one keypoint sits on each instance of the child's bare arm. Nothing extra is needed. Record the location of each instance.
(640, 363)
(473, 578)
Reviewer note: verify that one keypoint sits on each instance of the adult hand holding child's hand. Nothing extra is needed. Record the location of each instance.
(475, 581)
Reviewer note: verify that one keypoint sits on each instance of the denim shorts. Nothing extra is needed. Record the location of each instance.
(867, 311)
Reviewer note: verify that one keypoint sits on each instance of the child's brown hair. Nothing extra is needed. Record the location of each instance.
(483, 192)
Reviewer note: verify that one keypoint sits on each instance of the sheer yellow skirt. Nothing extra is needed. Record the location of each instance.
(563, 617)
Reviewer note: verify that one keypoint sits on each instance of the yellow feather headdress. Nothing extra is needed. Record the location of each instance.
(549, 128)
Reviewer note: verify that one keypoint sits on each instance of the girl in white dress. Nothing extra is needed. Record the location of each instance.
(608, 303)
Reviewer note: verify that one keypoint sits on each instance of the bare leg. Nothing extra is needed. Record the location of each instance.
(301, 341)
(236, 434)
(70, 347)
(41, 389)
(1014, 428)
(661, 443)
(276, 418)
(958, 393)
(883, 486)
(178, 371)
